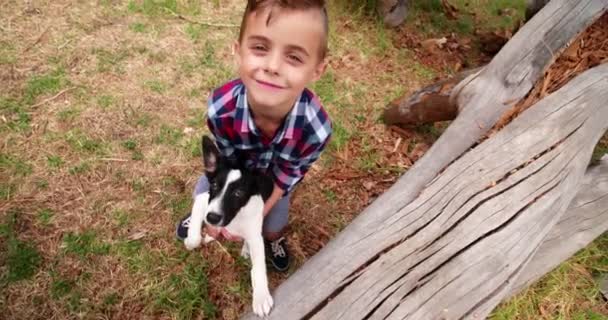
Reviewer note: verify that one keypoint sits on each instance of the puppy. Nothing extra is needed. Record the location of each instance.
(235, 201)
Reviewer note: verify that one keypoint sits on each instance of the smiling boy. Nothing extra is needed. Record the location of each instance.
(267, 119)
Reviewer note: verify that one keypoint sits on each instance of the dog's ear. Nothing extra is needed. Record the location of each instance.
(211, 155)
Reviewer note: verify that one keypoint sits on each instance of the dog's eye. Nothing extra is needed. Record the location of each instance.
(238, 193)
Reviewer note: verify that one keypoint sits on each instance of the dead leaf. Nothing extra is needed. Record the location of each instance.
(368, 185)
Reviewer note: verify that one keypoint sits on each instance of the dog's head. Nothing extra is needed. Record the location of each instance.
(231, 187)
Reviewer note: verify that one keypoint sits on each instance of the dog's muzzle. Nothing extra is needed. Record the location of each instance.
(214, 218)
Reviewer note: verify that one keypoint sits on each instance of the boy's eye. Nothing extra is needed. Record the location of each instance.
(294, 58)
(259, 47)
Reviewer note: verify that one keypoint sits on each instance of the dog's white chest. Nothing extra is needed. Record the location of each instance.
(248, 221)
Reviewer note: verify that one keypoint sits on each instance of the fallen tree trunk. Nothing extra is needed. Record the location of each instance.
(450, 238)
(585, 220)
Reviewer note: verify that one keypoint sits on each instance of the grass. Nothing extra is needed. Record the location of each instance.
(93, 181)
(84, 245)
(568, 292)
(185, 293)
(21, 258)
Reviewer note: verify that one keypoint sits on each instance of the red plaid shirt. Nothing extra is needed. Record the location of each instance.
(288, 156)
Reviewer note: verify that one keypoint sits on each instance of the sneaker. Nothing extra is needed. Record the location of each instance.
(276, 253)
(181, 230)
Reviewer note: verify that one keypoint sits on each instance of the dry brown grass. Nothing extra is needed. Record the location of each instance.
(97, 177)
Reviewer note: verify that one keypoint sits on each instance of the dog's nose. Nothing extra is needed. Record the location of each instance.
(214, 218)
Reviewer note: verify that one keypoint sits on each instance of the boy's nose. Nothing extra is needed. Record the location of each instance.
(273, 63)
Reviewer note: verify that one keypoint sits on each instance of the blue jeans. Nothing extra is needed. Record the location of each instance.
(275, 221)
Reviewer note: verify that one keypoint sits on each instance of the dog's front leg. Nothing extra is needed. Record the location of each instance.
(196, 221)
(262, 300)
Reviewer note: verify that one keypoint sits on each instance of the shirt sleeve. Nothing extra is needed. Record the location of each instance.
(287, 174)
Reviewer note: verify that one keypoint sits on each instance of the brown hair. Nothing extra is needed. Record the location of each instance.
(255, 5)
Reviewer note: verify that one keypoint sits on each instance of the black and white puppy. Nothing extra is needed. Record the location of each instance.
(235, 201)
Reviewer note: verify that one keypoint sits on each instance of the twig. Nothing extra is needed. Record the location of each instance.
(37, 40)
(51, 98)
(114, 159)
(225, 250)
(204, 23)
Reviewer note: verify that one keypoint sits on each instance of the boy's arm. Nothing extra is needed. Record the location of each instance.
(277, 193)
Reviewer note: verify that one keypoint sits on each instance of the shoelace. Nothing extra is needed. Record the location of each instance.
(186, 222)
(277, 248)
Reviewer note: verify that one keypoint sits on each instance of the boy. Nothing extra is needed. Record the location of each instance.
(267, 119)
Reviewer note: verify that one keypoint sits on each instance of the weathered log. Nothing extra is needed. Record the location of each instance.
(585, 220)
(427, 105)
(392, 247)
(456, 249)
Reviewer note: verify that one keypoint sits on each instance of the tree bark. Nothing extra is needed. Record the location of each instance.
(585, 220)
(450, 238)
(427, 105)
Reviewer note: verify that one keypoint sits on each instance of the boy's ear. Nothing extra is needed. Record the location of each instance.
(210, 155)
(236, 47)
(319, 70)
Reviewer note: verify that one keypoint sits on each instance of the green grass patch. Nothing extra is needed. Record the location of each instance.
(121, 218)
(14, 166)
(109, 61)
(168, 135)
(164, 7)
(134, 256)
(8, 54)
(195, 31)
(49, 83)
(79, 141)
(20, 258)
(54, 162)
(137, 27)
(155, 86)
(68, 114)
(84, 245)
(45, 216)
(325, 87)
(80, 168)
(340, 136)
(16, 114)
(105, 101)
(601, 149)
(566, 292)
(184, 294)
(152, 7)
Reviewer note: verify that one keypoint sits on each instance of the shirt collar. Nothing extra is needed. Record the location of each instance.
(246, 123)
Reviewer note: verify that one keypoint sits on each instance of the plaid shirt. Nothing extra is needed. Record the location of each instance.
(288, 156)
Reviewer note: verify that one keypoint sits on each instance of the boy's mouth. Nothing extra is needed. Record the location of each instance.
(269, 85)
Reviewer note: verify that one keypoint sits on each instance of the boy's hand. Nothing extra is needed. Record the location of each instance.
(219, 232)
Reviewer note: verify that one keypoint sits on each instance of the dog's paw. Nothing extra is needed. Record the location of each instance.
(192, 243)
(262, 303)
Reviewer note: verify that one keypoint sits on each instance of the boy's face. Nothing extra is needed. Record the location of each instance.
(278, 60)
